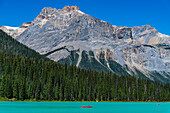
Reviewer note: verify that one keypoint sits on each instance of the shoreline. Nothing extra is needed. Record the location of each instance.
(82, 101)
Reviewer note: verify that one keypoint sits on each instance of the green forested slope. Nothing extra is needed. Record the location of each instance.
(24, 78)
(24, 74)
(11, 46)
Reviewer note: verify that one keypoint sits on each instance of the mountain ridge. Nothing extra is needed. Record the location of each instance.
(136, 49)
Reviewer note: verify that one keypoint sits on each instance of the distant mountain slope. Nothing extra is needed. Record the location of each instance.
(11, 46)
(70, 36)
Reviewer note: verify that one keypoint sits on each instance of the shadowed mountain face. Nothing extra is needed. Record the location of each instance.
(73, 37)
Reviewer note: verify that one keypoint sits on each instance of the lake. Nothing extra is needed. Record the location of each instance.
(75, 107)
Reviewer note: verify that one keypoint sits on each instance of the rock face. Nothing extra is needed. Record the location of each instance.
(73, 37)
(70, 8)
(15, 31)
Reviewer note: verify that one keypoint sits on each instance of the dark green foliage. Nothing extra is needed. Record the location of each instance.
(117, 68)
(11, 46)
(51, 52)
(148, 46)
(71, 59)
(165, 46)
(24, 78)
(88, 61)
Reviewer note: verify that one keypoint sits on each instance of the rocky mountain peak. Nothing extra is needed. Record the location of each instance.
(25, 25)
(48, 10)
(145, 27)
(70, 36)
(70, 8)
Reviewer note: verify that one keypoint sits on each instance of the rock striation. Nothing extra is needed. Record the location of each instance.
(70, 36)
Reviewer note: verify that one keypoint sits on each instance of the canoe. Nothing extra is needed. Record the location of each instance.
(86, 107)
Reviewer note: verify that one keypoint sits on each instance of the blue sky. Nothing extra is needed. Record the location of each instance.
(117, 12)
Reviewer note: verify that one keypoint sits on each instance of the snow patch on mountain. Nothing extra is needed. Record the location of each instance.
(11, 28)
(141, 47)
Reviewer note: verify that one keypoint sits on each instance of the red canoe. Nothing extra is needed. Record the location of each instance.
(86, 107)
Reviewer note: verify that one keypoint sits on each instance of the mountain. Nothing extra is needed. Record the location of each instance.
(70, 36)
(10, 46)
(15, 31)
(23, 78)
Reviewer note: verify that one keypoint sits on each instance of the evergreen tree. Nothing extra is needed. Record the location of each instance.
(30, 78)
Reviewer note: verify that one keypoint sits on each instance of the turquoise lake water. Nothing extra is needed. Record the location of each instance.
(74, 107)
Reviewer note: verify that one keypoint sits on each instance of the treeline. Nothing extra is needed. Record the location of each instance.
(24, 78)
(11, 46)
